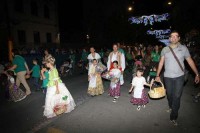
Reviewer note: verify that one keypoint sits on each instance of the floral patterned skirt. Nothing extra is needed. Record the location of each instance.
(114, 90)
(16, 94)
(99, 89)
(140, 101)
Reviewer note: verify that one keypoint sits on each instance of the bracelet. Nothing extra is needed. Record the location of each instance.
(197, 75)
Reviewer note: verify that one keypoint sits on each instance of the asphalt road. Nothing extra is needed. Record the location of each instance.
(99, 114)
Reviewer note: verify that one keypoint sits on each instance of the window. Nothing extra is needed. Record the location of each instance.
(36, 36)
(19, 6)
(49, 37)
(46, 12)
(21, 36)
(34, 8)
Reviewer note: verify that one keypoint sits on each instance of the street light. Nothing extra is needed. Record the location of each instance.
(130, 8)
(88, 38)
(169, 3)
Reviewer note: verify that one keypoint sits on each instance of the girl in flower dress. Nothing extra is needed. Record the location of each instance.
(94, 78)
(139, 96)
(57, 93)
(115, 74)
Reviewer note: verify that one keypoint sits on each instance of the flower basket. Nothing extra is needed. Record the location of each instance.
(157, 92)
(60, 108)
(60, 105)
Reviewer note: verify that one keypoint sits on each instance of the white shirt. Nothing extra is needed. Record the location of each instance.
(96, 56)
(90, 58)
(138, 83)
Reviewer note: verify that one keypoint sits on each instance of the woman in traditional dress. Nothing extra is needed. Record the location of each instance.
(95, 81)
(57, 93)
(93, 55)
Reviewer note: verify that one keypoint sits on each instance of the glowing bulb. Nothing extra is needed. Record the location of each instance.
(169, 3)
(130, 8)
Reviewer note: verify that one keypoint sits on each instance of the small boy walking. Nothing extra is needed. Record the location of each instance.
(45, 78)
(36, 74)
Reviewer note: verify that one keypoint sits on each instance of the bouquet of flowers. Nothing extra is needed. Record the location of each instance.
(101, 68)
(107, 75)
(60, 105)
(60, 108)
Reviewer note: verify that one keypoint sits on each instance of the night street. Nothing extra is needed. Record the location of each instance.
(53, 54)
(99, 114)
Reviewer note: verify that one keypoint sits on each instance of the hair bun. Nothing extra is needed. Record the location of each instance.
(50, 59)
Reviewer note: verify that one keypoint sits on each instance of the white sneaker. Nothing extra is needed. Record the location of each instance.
(138, 108)
(169, 110)
(116, 97)
(114, 100)
(143, 106)
(174, 122)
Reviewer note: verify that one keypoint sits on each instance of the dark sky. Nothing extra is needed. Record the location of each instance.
(75, 12)
(70, 14)
(103, 18)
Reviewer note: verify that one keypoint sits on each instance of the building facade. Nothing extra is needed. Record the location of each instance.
(31, 23)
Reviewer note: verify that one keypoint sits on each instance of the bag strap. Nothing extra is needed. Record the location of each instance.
(176, 59)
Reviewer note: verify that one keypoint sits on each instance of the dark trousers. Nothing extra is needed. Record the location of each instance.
(44, 89)
(174, 88)
(36, 82)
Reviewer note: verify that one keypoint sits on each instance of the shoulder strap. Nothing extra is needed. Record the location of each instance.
(119, 58)
(176, 58)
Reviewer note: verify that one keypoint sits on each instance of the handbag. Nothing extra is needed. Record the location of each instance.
(184, 70)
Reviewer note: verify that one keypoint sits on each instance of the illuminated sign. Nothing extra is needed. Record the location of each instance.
(149, 19)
